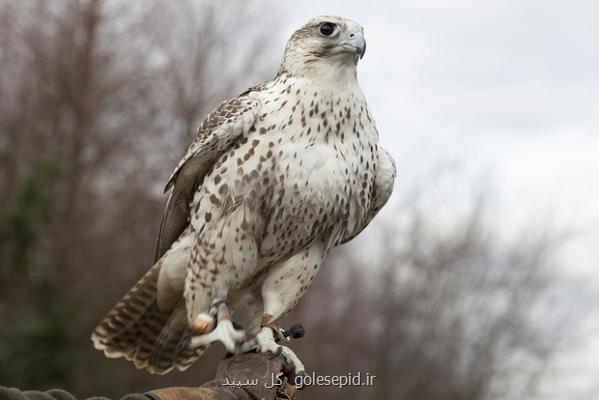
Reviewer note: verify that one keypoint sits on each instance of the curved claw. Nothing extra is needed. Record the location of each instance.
(224, 333)
(248, 345)
(293, 359)
(277, 353)
(265, 343)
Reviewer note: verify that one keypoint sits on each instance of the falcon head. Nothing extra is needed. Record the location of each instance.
(326, 43)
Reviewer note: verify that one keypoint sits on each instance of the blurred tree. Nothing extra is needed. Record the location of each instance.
(38, 334)
(22, 221)
(99, 99)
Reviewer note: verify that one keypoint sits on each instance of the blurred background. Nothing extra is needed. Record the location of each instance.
(478, 280)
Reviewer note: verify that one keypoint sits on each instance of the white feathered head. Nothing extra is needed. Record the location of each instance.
(323, 44)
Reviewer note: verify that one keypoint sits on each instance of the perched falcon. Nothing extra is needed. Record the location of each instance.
(273, 181)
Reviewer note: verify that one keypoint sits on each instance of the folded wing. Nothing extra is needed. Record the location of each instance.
(216, 134)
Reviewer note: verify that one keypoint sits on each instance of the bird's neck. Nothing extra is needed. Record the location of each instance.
(321, 72)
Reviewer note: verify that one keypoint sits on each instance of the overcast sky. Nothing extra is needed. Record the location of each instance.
(509, 87)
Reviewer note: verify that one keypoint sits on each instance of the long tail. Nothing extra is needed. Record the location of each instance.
(138, 330)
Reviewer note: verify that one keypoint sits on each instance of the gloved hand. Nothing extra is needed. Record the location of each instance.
(245, 377)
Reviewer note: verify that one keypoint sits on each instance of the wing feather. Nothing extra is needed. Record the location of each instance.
(216, 134)
(383, 187)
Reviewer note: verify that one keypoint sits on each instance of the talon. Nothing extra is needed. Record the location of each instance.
(277, 353)
(224, 333)
(265, 342)
(248, 345)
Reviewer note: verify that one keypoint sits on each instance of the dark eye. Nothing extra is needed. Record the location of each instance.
(327, 28)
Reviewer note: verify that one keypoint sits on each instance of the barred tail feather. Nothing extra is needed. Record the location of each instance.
(139, 331)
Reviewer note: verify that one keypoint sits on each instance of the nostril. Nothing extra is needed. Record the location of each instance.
(352, 35)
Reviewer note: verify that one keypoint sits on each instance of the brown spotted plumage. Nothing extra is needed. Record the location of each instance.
(274, 180)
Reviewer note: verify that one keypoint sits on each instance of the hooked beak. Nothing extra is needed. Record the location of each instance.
(356, 44)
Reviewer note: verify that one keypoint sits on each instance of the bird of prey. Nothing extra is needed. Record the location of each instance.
(275, 178)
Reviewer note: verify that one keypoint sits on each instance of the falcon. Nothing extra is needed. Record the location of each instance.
(275, 178)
